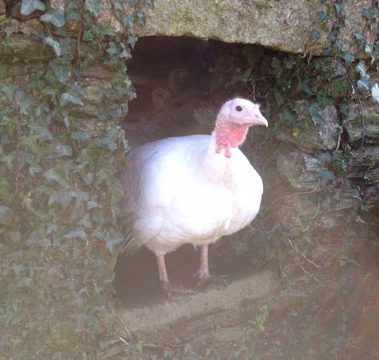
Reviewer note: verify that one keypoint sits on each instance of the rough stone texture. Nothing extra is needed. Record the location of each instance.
(364, 164)
(362, 121)
(226, 299)
(259, 22)
(323, 136)
(283, 25)
(300, 169)
(362, 160)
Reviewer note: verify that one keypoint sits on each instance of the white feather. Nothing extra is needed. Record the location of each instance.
(179, 190)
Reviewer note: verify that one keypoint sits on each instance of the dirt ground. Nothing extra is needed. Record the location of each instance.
(332, 316)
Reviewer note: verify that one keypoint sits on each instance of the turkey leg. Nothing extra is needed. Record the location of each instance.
(203, 275)
(163, 278)
(203, 271)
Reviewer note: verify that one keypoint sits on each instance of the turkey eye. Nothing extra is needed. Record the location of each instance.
(238, 108)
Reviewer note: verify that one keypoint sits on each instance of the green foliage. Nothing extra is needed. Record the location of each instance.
(59, 191)
(339, 77)
(259, 323)
(27, 7)
(367, 45)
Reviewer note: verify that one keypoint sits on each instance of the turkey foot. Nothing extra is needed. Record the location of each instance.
(218, 280)
(203, 275)
(169, 289)
(174, 290)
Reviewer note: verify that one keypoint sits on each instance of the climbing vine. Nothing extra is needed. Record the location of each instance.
(61, 146)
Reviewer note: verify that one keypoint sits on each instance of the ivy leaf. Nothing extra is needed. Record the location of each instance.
(125, 52)
(368, 48)
(89, 178)
(15, 236)
(61, 72)
(32, 238)
(339, 9)
(296, 132)
(8, 161)
(132, 40)
(317, 119)
(315, 35)
(107, 142)
(375, 92)
(324, 156)
(72, 11)
(127, 21)
(75, 234)
(8, 90)
(6, 216)
(112, 49)
(358, 37)
(63, 150)
(361, 68)
(141, 18)
(325, 176)
(86, 221)
(54, 44)
(93, 6)
(279, 100)
(346, 56)
(34, 169)
(80, 136)
(28, 6)
(92, 204)
(111, 243)
(55, 17)
(369, 14)
(31, 143)
(289, 62)
(53, 175)
(67, 98)
(43, 133)
(323, 16)
(363, 84)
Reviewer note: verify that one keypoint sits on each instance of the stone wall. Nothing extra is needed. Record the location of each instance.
(282, 25)
(321, 188)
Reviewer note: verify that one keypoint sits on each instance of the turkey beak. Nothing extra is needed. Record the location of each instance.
(259, 119)
(263, 121)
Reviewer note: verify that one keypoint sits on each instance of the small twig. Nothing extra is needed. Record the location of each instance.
(123, 340)
(18, 145)
(300, 254)
(125, 328)
(363, 125)
(309, 273)
(358, 97)
(80, 31)
(338, 142)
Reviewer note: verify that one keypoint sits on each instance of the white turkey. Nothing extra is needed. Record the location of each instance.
(192, 189)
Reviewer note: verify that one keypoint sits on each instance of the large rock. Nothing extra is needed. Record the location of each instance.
(362, 122)
(318, 129)
(301, 170)
(283, 25)
(363, 167)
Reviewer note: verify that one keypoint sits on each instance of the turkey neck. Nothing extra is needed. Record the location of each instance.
(228, 135)
(216, 165)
